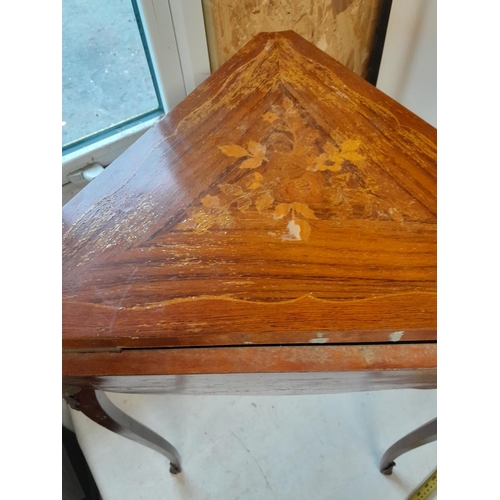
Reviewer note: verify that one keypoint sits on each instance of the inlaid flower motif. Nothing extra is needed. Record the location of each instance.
(270, 117)
(306, 188)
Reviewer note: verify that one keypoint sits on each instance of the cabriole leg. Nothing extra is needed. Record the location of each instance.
(97, 406)
(423, 435)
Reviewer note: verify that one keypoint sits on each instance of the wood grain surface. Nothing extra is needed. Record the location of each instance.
(286, 200)
(344, 29)
(254, 370)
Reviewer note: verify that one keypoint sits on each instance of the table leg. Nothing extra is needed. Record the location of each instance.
(426, 433)
(97, 406)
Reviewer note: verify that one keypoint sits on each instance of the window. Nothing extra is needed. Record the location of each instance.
(108, 78)
(125, 64)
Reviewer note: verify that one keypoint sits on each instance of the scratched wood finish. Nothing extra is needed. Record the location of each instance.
(286, 200)
(254, 370)
(344, 29)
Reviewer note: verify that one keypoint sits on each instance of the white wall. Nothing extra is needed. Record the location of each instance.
(408, 67)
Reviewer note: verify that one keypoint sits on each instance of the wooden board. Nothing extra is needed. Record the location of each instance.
(254, 370)
(344, 29)
(286, 200)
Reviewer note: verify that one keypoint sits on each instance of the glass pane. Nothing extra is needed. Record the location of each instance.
(106, 77)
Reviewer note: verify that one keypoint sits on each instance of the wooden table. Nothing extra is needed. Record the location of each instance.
(274, 233)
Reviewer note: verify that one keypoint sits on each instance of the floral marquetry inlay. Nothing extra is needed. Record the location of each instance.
(295, 167)
(284, 201)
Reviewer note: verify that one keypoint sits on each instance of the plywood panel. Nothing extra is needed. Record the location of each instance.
(344, 29)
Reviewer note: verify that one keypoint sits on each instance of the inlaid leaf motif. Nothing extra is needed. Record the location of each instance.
(352, 156)
(210, 201)
(304, 210)
(305, 229)
(334, 157)
(298, 228)
(350, 145)
(234, 151)
(320, 163)
(244, 204)
(256, 152)
(282, 210)
(202, 222)
(331, 150)
(256, 149)
(231, 189)
(311, 161)
(252, 163)
(264, 202)
(257, 179)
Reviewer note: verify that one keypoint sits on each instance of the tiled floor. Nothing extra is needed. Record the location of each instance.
(319, 447)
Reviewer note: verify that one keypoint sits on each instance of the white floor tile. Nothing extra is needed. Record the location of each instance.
(319, 447)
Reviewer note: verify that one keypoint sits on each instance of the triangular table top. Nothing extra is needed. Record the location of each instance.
(284, 201)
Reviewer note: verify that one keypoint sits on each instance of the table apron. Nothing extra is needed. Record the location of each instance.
(255, 370)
